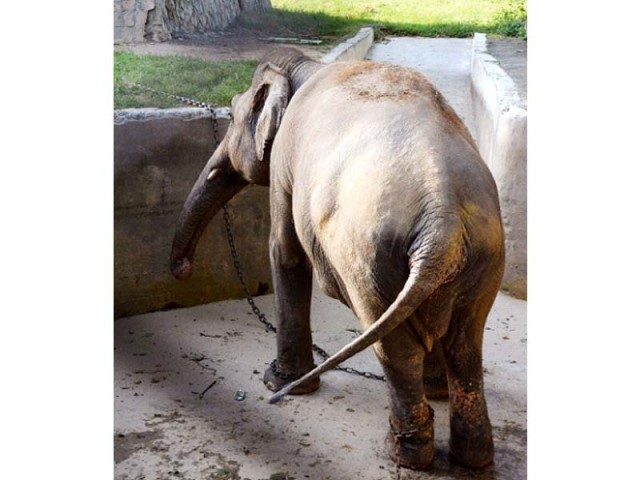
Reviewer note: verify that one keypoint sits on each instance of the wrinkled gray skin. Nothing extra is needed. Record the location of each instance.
(378, 188)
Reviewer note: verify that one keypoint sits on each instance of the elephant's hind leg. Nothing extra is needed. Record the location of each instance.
(410, 441)
(471, 442)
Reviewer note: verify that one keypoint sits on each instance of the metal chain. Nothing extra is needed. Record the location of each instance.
(185, 100)
(236, 263)
(232, 246)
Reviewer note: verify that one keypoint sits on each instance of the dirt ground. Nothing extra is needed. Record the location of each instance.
(232, 44)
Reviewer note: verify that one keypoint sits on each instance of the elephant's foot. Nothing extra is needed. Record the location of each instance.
(275, 379)
(437, 387)
(472, 451)
(413, 448)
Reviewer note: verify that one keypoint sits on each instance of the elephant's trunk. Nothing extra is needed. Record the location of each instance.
(215, 186)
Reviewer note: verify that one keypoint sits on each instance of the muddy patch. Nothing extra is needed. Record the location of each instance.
(511, 450)
(226, 470)
(125, 445)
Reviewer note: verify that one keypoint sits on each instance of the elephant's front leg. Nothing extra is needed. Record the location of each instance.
(292, 281)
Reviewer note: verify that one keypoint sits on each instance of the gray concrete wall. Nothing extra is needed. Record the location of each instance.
(157, 20)
(158, 155)
(501, 133)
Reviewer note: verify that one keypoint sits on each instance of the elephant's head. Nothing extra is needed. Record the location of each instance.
(242, 158)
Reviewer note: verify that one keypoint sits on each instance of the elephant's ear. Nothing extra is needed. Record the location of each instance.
(269, 104)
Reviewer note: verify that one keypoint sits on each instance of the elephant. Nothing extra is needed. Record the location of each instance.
(377, 187)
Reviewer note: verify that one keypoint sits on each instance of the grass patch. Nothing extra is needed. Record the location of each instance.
(339, 18)
(511, 20)
(211, 82)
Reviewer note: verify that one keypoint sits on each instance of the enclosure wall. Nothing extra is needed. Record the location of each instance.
(158, 155)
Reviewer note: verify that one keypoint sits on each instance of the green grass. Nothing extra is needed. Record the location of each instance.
(338, 18)
(511, 20)
(211, 82)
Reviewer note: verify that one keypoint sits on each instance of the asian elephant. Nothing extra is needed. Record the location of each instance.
(377, 186)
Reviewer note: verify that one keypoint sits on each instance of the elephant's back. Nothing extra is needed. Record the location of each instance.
(363, 89)
(372, 81)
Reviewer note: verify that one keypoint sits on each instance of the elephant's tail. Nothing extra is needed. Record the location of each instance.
(436, 263)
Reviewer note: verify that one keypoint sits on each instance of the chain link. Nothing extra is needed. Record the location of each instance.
(185, 100)
(230, 238)
(238, 267)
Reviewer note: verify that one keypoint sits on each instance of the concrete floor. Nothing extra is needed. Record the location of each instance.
(165, 360)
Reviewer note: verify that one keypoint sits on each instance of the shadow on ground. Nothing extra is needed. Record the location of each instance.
(303, 24)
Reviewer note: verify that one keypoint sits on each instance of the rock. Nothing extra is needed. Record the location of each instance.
(158, 20)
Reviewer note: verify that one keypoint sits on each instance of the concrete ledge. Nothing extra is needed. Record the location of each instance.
(501, 123)
(355, 48)
(149, 114)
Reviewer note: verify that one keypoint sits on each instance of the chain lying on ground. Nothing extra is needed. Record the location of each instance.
(232, 246)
